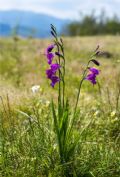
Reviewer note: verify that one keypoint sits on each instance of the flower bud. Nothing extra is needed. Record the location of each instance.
(58, 54)
(95, 62)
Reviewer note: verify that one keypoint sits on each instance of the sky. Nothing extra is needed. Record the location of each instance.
(66, 9)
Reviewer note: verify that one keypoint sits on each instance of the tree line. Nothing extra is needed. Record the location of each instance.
(92, 25)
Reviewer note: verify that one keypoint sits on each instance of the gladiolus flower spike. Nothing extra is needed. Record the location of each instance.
(49, 54)
(92, 76)
(54, 67)
(51, 74)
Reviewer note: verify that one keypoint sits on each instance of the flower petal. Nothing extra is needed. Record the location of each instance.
(94, 71)
(55, 67)
(54, 80)
(50, 48)
(50, 57)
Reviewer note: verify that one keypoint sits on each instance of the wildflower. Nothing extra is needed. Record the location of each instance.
(113, 113)
(49, 53)
(47, 103)
(92, 76)
(97, 113)
(51, 73)
(50, 57)
(50, 48)
(54, 80)
(94, 71)
(55, 67)
(35, 88)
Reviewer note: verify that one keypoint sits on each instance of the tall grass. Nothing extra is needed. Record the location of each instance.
(29, 145)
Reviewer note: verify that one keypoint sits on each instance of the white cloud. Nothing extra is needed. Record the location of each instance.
(63, 8)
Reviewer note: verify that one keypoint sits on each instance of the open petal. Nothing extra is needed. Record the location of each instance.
(94, 71)
(54, 80)
(50, 57)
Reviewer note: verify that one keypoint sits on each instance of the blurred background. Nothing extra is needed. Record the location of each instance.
(28, 147)
(72, 18)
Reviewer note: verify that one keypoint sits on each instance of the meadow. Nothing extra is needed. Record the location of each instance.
(28, 144)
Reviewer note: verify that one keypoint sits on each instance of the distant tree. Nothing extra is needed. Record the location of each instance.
(74, 29)
(88, 26)
(101, 22)
(91, 25)
(113, 26)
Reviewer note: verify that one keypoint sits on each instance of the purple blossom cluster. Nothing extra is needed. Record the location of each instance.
(54, 67)
(92, 76)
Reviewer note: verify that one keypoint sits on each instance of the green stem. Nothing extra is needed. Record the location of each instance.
(78, 95)
(79, 88)
(59, 89)
(63, 80)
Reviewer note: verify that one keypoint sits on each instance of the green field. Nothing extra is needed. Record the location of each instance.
(28, 145)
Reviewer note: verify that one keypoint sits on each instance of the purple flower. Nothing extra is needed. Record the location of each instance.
(50, 48)
(50, 57)
(94, 71)
(92, 76)
(51, 73)
(54, 80)
(55, 67)
(49, 53)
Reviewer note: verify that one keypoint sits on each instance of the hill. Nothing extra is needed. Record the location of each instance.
(28, 23)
